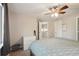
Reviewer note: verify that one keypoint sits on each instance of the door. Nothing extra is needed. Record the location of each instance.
(43, 30)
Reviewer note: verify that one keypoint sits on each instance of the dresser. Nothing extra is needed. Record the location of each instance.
(27, 40)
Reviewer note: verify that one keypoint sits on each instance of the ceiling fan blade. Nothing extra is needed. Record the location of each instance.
(64, 7)
(50, 8)
(62, 12)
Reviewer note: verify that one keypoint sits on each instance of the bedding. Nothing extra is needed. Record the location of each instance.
(55, 47)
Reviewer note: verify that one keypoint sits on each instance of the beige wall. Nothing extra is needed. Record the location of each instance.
(20, 25)
(23, 25)
(51, 28)
(58, 28)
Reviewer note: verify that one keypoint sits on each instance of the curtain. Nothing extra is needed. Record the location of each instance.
(6, 44)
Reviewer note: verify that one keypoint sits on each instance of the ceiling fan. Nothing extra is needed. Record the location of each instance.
(56, 10)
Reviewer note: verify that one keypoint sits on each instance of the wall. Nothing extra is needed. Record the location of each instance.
(21, 25)
(58, 28)
(51, 28)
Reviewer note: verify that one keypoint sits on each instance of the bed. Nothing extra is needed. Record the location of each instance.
(55, 47)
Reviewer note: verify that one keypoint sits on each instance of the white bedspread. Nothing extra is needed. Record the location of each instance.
(55, 47)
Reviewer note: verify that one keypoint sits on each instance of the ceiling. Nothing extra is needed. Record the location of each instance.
(36, 9)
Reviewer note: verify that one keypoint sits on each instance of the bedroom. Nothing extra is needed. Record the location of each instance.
(30, 26)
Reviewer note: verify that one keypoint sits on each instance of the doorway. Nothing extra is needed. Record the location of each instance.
(43, 30)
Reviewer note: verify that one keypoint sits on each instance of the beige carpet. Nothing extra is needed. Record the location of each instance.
(19, 53)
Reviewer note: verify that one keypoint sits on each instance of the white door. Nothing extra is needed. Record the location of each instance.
(43, 30)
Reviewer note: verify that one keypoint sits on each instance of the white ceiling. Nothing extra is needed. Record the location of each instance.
(36, 9)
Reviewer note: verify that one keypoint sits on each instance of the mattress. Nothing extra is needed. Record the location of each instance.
(55, 47)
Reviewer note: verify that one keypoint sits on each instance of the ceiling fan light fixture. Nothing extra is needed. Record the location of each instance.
(52, 15)
(56, 14)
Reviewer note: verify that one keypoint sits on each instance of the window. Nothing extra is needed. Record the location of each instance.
(1, 24)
